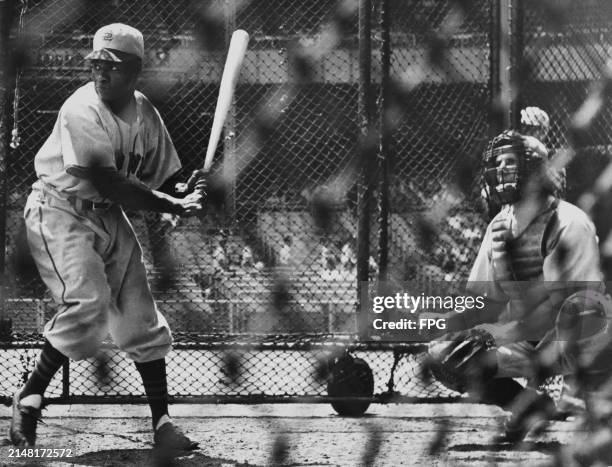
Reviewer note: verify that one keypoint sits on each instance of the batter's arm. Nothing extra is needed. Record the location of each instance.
(169, 185)
(133, 195)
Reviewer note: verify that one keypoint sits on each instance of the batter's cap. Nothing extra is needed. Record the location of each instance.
(117, 42)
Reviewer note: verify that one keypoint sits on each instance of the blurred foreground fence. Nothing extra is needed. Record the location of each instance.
(263, 290)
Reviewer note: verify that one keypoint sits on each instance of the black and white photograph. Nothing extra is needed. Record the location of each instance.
(306, 233)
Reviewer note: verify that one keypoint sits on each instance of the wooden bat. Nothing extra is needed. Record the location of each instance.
(233, 62)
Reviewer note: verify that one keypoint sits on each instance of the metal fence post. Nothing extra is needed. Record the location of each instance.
(505, 63)
(496, 120)
(383, 155)
(364, 180)
(517, 70)
(5, 77)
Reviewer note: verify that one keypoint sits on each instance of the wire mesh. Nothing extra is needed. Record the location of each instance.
(262, 261)
(563, 56)
(440, 62)
(262, 292)
(266, 259)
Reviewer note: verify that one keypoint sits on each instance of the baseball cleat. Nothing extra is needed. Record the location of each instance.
(23, 423)
(169, 436)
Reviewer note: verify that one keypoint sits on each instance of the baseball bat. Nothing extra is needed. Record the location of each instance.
(231, 71)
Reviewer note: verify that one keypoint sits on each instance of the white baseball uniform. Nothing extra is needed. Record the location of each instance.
(559, 246)
(88, 255)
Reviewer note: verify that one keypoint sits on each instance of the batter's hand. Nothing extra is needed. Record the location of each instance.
(199, 178)
(197, 182)
(192, 204)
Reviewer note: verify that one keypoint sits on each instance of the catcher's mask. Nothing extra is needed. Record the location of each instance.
(510, 160)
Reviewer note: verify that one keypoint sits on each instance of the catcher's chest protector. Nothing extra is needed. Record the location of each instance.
(524, 254)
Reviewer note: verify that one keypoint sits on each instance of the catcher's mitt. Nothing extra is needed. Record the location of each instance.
(350, 377)
(465, 362)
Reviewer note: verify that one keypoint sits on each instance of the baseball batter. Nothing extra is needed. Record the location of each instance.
(109, 150)
(532, 249)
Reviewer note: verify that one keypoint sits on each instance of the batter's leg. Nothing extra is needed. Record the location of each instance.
(67, 253)
(143, 333)
(137, 326)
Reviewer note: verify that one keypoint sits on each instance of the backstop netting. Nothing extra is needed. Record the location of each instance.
(262, 292)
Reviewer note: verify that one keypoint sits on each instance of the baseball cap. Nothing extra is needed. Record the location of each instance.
(117, 42)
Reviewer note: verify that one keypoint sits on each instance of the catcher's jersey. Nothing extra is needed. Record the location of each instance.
(571, 252)
(88, 134)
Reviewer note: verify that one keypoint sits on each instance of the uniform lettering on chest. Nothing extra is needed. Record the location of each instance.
(134, 164)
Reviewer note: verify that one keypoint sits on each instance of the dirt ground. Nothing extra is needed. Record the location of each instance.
(290, 434)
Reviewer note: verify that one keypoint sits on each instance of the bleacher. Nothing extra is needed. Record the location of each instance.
(274, 226)
(195, 297)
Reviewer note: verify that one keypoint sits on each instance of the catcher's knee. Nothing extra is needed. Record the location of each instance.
(583, 315)
(583, 338)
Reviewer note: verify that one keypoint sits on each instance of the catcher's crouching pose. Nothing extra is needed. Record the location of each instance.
(538, 267)
(109, 149)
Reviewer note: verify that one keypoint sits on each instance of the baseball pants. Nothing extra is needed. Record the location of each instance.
(92, 264)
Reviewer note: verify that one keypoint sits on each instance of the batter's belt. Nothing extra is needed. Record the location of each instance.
(77, 203)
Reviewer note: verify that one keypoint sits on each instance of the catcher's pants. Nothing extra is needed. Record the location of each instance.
(515, 360)
(92, 264)
(594, 354)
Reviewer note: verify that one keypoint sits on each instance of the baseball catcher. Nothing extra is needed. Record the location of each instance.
(109, 150)
(537, 253)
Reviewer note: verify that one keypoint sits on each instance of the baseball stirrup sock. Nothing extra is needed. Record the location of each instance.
(49, 362)
(156, 387)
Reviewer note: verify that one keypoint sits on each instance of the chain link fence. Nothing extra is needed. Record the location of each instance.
(262, 292)
(565, 49)
(442, 64)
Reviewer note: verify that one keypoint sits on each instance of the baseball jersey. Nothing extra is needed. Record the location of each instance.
(572, 252)
(88, 134)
